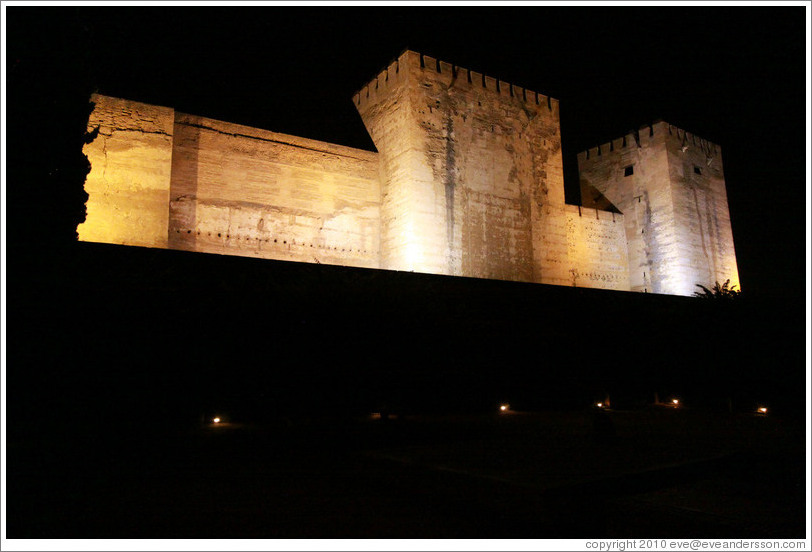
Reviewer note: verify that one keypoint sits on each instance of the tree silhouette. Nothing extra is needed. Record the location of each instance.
(719, 292)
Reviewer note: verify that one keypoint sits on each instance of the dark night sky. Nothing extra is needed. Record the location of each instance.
(734, 75)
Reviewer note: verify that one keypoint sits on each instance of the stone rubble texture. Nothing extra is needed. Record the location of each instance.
(467, 181)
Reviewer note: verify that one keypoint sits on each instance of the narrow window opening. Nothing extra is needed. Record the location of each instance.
(697, 170)
(628, 171)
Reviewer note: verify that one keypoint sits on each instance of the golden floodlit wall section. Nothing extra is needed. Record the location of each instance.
(597, 254)
(165, 179)
(128, 185)
(238, 190)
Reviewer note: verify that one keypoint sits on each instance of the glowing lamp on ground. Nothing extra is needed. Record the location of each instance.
(599, 405)
(762, 410)
(675, 402)
(216, 420)
(504, 408)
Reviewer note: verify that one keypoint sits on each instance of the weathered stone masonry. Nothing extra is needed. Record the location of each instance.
(467, 181)
(670, 186)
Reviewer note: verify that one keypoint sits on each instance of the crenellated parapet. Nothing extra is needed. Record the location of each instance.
(410, 62)
(647, 135)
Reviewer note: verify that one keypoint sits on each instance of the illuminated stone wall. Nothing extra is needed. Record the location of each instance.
(472, 173)
(238, 190)
(129, 181)
(596, 249)
(677, 221)
(467, 181)
(165, 179)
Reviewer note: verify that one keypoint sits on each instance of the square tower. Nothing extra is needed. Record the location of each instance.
(471, 173)
(670, 186)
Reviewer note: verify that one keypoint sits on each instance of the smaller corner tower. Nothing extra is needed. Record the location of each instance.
(669, 184)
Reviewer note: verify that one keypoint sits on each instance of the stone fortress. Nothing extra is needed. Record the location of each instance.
(467, 181)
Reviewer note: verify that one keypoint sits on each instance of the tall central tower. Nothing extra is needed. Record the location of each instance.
(471, 173)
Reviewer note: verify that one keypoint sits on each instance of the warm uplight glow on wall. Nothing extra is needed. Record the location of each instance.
(413, 256)
(129, 182)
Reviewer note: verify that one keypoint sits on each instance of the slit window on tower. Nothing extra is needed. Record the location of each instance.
(628, 171)
(697, 170)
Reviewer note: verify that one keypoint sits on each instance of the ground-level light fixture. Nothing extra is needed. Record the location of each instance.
(599, 405)
(216, 420)
(504, 407)
(762, 410)
(675, 402)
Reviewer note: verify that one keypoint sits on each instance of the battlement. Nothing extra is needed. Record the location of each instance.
(451, 75)
(645, 136)
(689, 139)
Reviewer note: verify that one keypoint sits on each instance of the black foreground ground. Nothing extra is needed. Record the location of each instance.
(674, 473)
